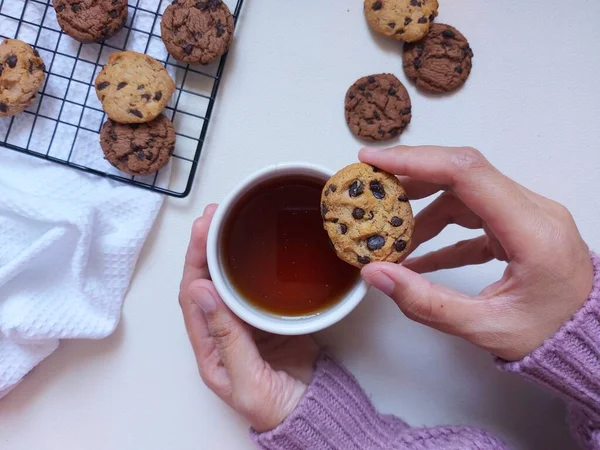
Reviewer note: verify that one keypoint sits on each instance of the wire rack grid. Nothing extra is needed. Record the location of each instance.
(63, 124)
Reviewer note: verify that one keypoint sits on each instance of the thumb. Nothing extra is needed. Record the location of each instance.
(232, 337)
(422, 301)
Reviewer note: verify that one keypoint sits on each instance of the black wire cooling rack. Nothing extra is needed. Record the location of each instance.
(63, 124)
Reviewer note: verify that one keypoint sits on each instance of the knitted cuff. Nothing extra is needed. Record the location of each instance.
(569, 362)
(335, 413)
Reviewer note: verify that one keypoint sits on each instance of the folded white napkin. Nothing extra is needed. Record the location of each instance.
(69, 243)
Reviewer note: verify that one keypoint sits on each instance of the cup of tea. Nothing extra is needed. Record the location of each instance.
(270, 258)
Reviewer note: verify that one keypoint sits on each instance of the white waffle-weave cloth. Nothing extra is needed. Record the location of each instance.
(69, 243)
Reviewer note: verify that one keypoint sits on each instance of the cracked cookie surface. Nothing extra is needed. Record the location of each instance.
(378, 107)
(197, 32)
(404, 20)
(133, 87)
(367, 215)
(91, 20)
(138, 149)
(441, 62)
(21, 76)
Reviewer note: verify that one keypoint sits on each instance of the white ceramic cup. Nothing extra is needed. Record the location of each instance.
(235, 300)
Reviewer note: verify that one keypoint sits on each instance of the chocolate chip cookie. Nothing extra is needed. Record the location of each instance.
(378, 107)
(197, 32)
(138, 149)
(133, 87)
(91, 20)
(21, 76)
(404, 20)
(441, 62)
(367, 215)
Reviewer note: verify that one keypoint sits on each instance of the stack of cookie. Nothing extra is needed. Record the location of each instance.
(437, 58)
(134, 89)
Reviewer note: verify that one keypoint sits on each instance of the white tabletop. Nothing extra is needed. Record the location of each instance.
(532, 105)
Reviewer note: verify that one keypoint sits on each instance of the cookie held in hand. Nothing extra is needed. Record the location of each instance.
(367, 215)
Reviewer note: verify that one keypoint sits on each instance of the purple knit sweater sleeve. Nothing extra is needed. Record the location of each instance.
(569, 364)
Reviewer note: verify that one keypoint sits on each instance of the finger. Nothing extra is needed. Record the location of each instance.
(445, 210)
(420, 300)
(492, 196)
(464, 253)
(231, 337)
(416, 189)
(196, 266)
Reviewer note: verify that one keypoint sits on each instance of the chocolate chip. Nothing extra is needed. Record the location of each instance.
(448, 33)
(157, 96)
(3, 107)
(103, 85)
(149, 156)
(146, 97)
(364, 260)
(114, 14)
(392, 25)
(362, 87)
(422, 19)
(370, 122)
(377, 6)
(188, 49)
(431, 17)
(417, 63)
(375, 169)
(343, 228)
(413, 2)
(323, 209)
(377, 189)
(140, 155)
(1, 69)
(75, 8)
(392, 91)
(220, 29)
(113, 135)
(36, 53)
(407, 21)
(403, 198)
(60, 8)
(400, 245)
(376, 115)
(356, 188)
(31, 66)
(137, 113)
(351, 95)
(375, 242)
(381, 132)
(400, 31)
(12, 61)
(334, 220)
(358, 213)
(458, 69)
(332, 187)
(140, 87)
(106, 31)
(405, 111)
(121, 85)
(396, 221)
(42, 67)
(371, 79)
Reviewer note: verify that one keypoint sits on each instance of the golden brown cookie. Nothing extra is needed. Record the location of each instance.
(133, 87)
(404, 20)
(138, 149)
(367, 215)
(21, 76)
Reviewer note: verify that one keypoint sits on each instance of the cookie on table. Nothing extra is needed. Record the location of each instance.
(91, 20)
(138, 149)
(21, 76)
(197, 32)
(441, 62)
(367, 215)
(133, 87)
(404, 20)
(378, 107)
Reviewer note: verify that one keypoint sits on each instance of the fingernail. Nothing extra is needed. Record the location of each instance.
(204, 299)
(382, 282)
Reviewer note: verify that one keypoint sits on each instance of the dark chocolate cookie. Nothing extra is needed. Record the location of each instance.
(378, 107)
(197, 32)
(91, 20)
(138, 149)
(21, 76)
(441, 62)
(367, 215)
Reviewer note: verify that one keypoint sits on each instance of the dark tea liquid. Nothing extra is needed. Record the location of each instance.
(278, 255)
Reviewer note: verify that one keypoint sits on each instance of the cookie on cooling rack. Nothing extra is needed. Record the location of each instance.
(197, 32)
(21, 76)
(133, 87)
(91, 20)
(138, 149)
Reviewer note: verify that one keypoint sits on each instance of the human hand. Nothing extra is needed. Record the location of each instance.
(259, 375)
(549, 273)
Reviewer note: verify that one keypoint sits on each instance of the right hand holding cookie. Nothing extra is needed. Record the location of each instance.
(549, 273)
